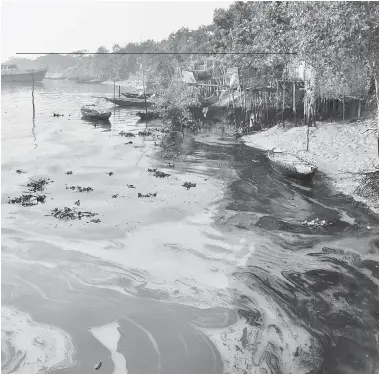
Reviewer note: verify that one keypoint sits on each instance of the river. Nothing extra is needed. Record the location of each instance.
(218, 278)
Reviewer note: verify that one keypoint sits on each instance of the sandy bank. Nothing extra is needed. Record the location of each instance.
(340, 149)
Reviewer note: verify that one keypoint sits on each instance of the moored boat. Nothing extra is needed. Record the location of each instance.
(11, 73)
(136, 95)
(128, 102)
(94, 112)
(291, 165)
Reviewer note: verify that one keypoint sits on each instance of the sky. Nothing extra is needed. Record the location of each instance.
(66, 26)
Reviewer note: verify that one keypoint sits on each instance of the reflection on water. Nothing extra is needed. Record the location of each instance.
(218, 278)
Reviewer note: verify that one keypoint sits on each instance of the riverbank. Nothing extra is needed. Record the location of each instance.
(341, 150)
(133, 83)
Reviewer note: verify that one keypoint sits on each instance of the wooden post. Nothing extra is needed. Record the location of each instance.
(114, 89)
(359, 108)
(294, 101)
(343, 108)
(119, 91)
(143, 85)
(284, 96)
(277, 100)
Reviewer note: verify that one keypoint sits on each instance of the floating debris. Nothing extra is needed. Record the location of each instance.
(126, 134)
(68, 172)
(66, 214)
(115, 196)
(97, 220)
(188, 185)
(138, 146)
(19, 171)
(170, 165)
(58, 115)
(144, 133)
(98, 366)
(77, 202)
(151, 170)
(129, 142)
(147, 195)
(110, 173)
(28, 200)
(79, 188)
(316, 223)
(131, 186)
(35, 185)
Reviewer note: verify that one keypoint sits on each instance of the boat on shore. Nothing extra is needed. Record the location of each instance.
(136, 95)
(93, 112)
(11, 73)
(290, 165)
(128, 102)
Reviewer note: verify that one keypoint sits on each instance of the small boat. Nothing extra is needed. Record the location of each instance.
(148, 116)
(128, 102)
(290, 165)
(11, 73)
(92, 111)
(136, 95)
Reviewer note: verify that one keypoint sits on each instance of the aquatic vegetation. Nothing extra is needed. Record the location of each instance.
(129, 142)
(126, 134)
(79, 188)
(28, 200)
(110, 173)
(161, 174)
(131, 186)
(169, 156)
(77, 203)
(68, 172)
(115, 196)
(170, 165)
(144, 133)
(98, 366)
(67, 214)
(19, 171)
(316, 223)
(147, 195)
(58, 115)
(39, 184)
(157, 173)
(96, 220)
(188, 185)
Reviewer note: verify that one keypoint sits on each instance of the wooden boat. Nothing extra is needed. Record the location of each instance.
(148, 116)
(95, 113)
(128, 102)
(291, 165)
(11, 73)
(136, 95)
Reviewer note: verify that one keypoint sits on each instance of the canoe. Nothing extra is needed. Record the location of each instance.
(128, 102)
(93, 112)
(148, 116)
(291, 165)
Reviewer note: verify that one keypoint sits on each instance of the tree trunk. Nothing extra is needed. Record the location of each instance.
(294, 101)
(359, 108)
(284, 97)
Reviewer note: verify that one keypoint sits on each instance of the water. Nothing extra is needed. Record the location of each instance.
(218, 278)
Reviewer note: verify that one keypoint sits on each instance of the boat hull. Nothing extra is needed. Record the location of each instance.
(96, 116)
(129, 103)
(37, 76)
(299, 169)
(148, 116)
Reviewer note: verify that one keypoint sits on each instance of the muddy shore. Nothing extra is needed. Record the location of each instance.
(341, 150)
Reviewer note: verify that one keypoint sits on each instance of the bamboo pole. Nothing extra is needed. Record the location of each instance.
(294, 102)
(284, 96)
(143, 85)
(343, 108)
